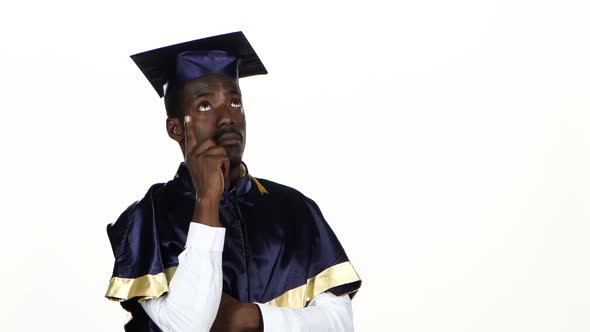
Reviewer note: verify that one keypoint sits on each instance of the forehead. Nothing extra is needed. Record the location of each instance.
(210, 84)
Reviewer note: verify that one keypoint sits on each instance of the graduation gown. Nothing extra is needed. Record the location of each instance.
(278, 247)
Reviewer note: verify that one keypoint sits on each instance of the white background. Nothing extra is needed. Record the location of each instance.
(445, 141)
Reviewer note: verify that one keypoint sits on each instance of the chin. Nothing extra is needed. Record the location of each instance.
(234, 153)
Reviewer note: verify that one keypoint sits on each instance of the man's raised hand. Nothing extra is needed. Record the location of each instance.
(207, 162)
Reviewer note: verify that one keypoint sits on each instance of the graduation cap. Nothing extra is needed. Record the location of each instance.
(229, 54)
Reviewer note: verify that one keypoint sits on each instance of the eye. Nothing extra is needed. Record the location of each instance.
(235, 103)
(204, 107)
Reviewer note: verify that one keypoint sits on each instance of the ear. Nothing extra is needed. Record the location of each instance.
(175, 129)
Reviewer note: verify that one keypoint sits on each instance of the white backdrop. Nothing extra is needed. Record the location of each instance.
(445, 141)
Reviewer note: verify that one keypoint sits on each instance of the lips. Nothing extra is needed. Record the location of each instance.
(229, 138)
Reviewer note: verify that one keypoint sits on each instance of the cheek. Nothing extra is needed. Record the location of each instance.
(240, 117)
(203, 128)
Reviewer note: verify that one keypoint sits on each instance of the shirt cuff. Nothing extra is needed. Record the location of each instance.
(271, 316)
(325, 312)
(205, 238)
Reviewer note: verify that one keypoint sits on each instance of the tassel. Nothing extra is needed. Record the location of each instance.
(261, 188)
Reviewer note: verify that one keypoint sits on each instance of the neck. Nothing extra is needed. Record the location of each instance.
(234, 175)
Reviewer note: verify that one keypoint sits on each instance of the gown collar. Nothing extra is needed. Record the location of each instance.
(240, 188)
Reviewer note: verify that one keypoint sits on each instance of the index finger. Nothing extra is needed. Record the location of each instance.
(190, 139)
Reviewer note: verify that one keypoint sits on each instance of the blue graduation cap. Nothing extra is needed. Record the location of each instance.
(229, 54)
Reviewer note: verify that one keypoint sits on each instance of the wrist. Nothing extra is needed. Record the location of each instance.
(206, 211)
(208, 202)
(251, 317)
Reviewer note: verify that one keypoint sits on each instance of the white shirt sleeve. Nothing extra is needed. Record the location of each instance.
(195, 289)
(326, 312)
(195, 293)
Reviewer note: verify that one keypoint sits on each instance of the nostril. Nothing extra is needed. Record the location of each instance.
(225, 120)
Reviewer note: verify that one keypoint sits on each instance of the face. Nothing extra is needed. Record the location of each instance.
(215, 104)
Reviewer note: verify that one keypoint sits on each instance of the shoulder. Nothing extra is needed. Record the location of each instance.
(118, 229)
(281, 191)
(154, 191)
(288, 199)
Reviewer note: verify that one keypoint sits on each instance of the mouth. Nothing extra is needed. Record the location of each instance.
(229, 139)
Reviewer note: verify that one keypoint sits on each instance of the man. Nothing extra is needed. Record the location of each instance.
(216, 248)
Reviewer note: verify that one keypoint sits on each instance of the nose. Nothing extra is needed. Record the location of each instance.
(225, 117)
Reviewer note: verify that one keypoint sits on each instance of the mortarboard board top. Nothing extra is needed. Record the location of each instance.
(159, 65)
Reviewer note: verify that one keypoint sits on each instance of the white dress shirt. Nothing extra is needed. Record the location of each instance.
(195, 292)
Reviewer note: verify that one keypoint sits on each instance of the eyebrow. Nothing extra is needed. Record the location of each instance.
(233, 92)
(197, 95)
(201, 94)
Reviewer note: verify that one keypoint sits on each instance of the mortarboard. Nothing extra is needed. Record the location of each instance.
(230, 54)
